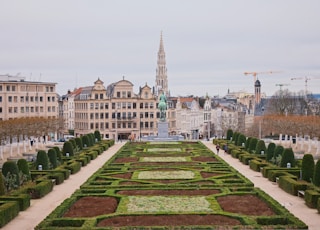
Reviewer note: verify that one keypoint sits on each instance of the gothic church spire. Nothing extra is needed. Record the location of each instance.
(161, 72)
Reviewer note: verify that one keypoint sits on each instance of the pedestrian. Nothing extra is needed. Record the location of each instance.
(226, 148)
(218, 148)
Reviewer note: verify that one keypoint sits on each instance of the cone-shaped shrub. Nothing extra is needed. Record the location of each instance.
(253, 144)
(42, 159)
(58, 152)
(270, 151)
(79, 143)
(73, 142)
(241, 139)
(24, 168)
(91, 139)
(316, 175)
(97, 135)
(278, 151)
(229, 134)
(2, 186)
(261, 146)
(287, 157)
(307, 167)
(248, 143)
(67, 148)
(53, 157)
(12, 168)
(85, 141)
(235, 137)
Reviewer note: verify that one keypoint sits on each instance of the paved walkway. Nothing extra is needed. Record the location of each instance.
(40, 208)
(294, 204)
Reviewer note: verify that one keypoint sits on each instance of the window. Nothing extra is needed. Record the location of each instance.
(124, 105)
(101, 95)
(53, 98)
(13, 88)
(0, 109)
(41, 99)
(91, 105)
(9, 98)
(124, 94)
(118, 105)
(151, 105)
(146, 114)
(118, 94)
(49, 99)
(107, 115)
(101, 115)
(96, 106)
(146, 95)
(10, 109)
(129, 105)
(22, 109)
(8, 88)
(134, 105)
(31, 98)
(101, 105)
(96, 96)
(107, 125)
(0, 98)
(15, 99)
(113, 106)
(141, 105)
(0, 87)
(91, 116)
(106, 105)
(146, 105)
(96, 115)
(129, 94)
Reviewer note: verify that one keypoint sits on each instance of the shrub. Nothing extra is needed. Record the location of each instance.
(79, 143)
(241, 139)
(97, 135)
(270, 151)
(248, 143)
(278, 151)
(261, 146)
(42, 159)
(58, 152)
(253, 144)
(229, 134)
(91, 139)
(235, 137)
(53, 158)
(307, 167)
(10, 171)
(67, 148)
(85, 141)
(73, 142)
(2, 186)
(287, 157)
(316, 175)
(23, 167)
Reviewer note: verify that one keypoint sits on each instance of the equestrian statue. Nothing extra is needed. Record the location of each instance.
(162, 106)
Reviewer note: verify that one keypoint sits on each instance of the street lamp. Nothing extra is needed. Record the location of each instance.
(116, 137)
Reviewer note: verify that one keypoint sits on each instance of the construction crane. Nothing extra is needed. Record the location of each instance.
(280, 85)
(306, 79)
(254, 74)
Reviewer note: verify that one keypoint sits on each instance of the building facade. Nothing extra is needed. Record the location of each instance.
(116, 111)
(20, 98)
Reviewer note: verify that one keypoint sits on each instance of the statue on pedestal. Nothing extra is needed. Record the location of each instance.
(162, 106)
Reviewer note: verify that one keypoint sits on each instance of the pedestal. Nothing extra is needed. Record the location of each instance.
(163, 127)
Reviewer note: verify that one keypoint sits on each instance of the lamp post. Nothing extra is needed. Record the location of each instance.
(140, 127)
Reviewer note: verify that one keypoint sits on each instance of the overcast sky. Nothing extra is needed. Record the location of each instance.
(208, 44)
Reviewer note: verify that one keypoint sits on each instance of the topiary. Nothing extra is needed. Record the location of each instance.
(52, 154)
(97, 135)
(91, 139)
(42, 159)
(58, 152)
(10, 171)
(235, 137)
(67, 148)
(248, 143)
(229, 134)
(287, 157)
(253, 144)
(241, 139)
(2, 185)
(85, 141)
(307, 167)
(316, 174)
(278, 151)
(270, 151)
(23, 167)
(73, 142)
(79, 142)
(261, 146)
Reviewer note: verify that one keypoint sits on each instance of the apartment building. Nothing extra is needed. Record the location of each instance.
(116, 111)
(21, 98)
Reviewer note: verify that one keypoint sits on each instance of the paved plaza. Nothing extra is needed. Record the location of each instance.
(40, 208)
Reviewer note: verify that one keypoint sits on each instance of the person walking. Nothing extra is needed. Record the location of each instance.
(217, 148)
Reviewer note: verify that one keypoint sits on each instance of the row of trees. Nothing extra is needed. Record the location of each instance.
(274, 124)
(20, 129)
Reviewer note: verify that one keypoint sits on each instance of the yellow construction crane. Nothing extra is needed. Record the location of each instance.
(254, 74)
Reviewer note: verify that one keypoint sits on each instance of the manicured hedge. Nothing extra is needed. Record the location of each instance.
(8, 211)
(41, 189)
(290, 185)
(311, 198)
(22, 199)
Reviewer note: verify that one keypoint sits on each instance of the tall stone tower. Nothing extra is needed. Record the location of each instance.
(257, 92)
(161, 72)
